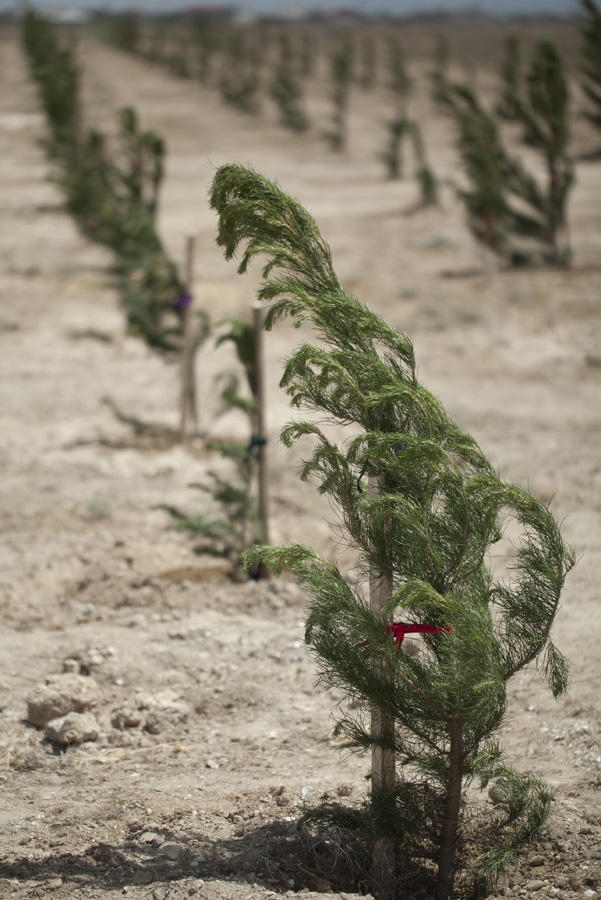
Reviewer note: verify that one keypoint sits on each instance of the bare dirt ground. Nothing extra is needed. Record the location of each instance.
(211, 737)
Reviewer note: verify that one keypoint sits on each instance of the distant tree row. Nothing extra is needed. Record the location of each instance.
(519, 215)
(248, 65)
(111, 187)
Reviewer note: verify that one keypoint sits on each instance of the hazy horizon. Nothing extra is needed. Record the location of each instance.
(395, 7)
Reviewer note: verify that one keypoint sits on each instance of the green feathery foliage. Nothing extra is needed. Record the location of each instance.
(485, 163)
(429, 527)
(54, 66)
(591, 66)
(113, 195)
(547, 129)
(241, 334)
(508, 209)
(113, 191)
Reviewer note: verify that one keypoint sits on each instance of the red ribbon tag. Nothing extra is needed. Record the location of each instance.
(399, 629)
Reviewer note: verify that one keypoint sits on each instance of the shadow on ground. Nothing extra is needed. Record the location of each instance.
(277, 855)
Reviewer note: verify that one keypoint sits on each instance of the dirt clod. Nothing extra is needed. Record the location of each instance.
(74, 728)
(59, 695)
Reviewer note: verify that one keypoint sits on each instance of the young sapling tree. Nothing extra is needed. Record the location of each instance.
(439, 76)
(546, 117)
(403, 127)
(178, 59)
(139, 162)
(54, 66)
(125, 31)
(185, 302)
(591, 65)
(399, 82)
(308, 52)
(399, 126)
(341, 71)
(512, 104)
(247, 339)
(426, 179)
(509, 209)
(392, 155)
(286, 90)
(368, 63)
(241, 495)
(240, 80)
(398, 131)
(484, 162)
(510, 101)
(422, 506)
(157, 41)
(112, 192)
(206, 44)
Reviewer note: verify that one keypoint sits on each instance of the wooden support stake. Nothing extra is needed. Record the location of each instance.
(383, 774)
(263, 486)
(186, 367)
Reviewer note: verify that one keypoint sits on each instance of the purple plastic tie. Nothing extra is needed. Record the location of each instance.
(183, 301)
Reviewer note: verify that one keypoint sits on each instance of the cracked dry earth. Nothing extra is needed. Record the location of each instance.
(200, 733)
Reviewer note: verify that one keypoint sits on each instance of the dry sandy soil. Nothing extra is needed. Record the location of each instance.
(211, 734)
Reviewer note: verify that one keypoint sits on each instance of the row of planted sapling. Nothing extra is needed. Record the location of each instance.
(415, 496)
(404, 128)
(238, 515)
(248, 65)
(511, 210)
(113, 193)
(112, 185)
(518, 215)
(422, 507)
(591, 69)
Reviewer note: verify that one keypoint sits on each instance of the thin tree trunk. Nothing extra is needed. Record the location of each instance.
(383, 774)
(263, 485)
(559, 237)
(186, 358)
(383, 783)
(450, 830)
